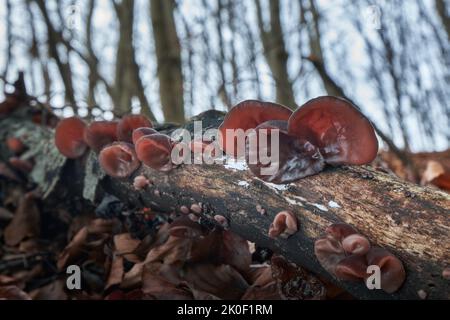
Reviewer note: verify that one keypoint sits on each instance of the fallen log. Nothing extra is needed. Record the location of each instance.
(410, 221)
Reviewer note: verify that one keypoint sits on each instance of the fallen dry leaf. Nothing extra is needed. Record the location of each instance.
(26, 222)
(13, 293)
(52, 291)
(125, 246)
(116, 272)
(285, 281)
(156, 286)
(222, 281)
(6, 215)
(90, 237)
(433, 170)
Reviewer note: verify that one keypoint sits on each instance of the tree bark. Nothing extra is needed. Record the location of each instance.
(168, 55)
(410, 221)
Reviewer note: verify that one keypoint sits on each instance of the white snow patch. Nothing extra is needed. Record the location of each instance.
(320, 206)
(293, 202)
(244, 184)
(300, 198)
(235, 165)
(278, 187)
(333, 204)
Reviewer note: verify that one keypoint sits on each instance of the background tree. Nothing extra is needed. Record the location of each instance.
(173, 59)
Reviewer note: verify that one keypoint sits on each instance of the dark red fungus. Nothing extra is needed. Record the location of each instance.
(347, 254)
(119, 160)
(129, 123)
(329, 253)
(341, 132)
(334, 250)
(392, 271)
(100, 134)
(351, 268)
(284, 225)
(140, 132)
(155, 151)
(15, 145)
(291, 159)
(247, 115)
(69, 137)
(356, 244)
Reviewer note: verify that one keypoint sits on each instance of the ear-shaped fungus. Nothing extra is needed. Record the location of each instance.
(341, 252)
(346, 254)
(129, 123)
(296, 159)
(351, 268)
(140, 132)
(69, 139)
(392, 271)
(356, 244)
(337, 128)
(119, 160)
(339, 231)
(155, 151)
(247, 115)
(329, 253)
(100, 133)
(284, 225)
(15, 145)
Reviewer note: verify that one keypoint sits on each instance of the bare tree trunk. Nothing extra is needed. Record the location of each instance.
(315, 45)
(9, 40)
(93, 78)
(221, 60)
(275, 53)
(251, 48)
(443, 15)
(389, 55)
(231, 7)
(54, 39)
(128, 83)
(168, 54)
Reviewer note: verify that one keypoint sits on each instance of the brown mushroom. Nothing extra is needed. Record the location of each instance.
(392, 271)
(100, 134)
(247, 115)
(351, 268)
(291, 160)
(155, 151)
(129, 123)
(340, 131)
(119, 160)
(69, 139)
(140, 132)
(284, 225)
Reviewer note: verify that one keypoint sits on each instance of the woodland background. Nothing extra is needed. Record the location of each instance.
(173, 59)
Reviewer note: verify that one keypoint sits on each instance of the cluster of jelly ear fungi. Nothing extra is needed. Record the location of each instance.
(325, 130)
(121, 145)
(346, 254)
